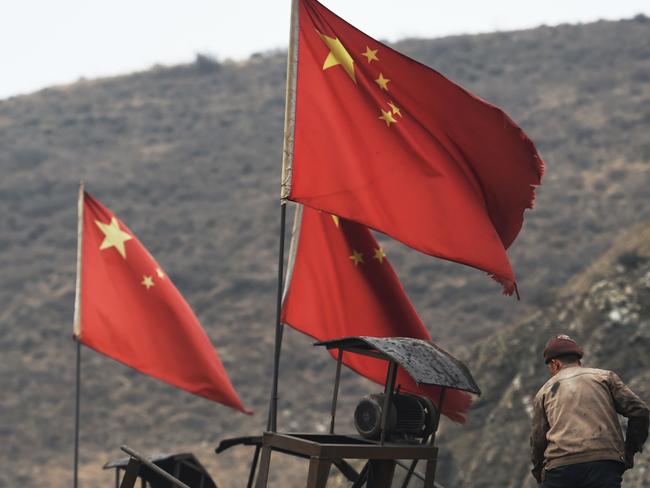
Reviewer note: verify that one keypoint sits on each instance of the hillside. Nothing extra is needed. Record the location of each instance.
(606, 309)
(189, 158)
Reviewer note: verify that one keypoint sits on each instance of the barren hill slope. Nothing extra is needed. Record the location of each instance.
(189, 157)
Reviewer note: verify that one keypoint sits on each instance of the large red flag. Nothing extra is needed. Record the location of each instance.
(341, 284)
(128, 309)
(388, 142)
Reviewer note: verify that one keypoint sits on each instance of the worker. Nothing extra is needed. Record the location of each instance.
(576, 439)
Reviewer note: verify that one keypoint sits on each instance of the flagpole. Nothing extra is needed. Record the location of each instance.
(287, 157)
(290, 103)
(279, 327)
(76, 416)
(77, 332)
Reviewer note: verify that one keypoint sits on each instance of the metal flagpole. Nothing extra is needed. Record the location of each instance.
(279, 328)
(287, 156)
(76, 416)
(77, 333)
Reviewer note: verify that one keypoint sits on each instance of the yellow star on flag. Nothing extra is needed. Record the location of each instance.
(147, 282)
(387, 116)
(338, 56)
(113, 236)
(382, 82)
(380, 255)
(357, 257)
(395, 109)
(160, 273)
(371, 54)
(335, 218)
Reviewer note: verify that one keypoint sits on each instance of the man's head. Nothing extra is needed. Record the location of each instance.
(561, 351)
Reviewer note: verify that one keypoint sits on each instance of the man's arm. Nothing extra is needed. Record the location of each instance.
(538, 437)
(629, 405)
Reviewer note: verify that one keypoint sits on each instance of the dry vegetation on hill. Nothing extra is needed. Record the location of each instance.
(189, 157)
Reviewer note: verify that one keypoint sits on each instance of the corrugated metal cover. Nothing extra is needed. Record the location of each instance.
(425, 362)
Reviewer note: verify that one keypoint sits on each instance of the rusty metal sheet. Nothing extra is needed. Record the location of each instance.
(424, 361)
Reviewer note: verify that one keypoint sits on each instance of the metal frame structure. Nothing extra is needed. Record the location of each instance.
(346, 469)
(323, 450)
(425, 363)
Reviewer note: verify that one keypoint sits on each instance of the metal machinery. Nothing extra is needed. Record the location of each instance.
(160, 471)
(394, 426)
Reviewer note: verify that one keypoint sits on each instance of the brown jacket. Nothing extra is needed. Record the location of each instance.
(575, 420)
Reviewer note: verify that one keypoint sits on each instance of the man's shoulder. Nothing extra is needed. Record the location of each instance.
(583, 371)
(582, 375)
(570, 373)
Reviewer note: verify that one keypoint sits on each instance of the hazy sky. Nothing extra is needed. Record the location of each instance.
(46, 42)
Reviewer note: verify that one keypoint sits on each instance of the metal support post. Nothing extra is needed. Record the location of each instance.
(336, 389)
(388, 398)
(272, 424)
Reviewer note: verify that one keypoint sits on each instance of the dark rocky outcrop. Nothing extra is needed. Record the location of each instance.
(607, 309)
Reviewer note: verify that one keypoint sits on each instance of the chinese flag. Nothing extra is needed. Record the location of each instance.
(390, 143)
(341, 284)
(128, 309)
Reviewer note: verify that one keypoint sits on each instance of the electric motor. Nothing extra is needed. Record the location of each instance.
(411, 417)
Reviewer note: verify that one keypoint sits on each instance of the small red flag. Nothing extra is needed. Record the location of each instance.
(390, 143)
(128, 309)
(341, 284)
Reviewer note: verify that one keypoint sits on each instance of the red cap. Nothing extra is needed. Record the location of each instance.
(561, 345)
